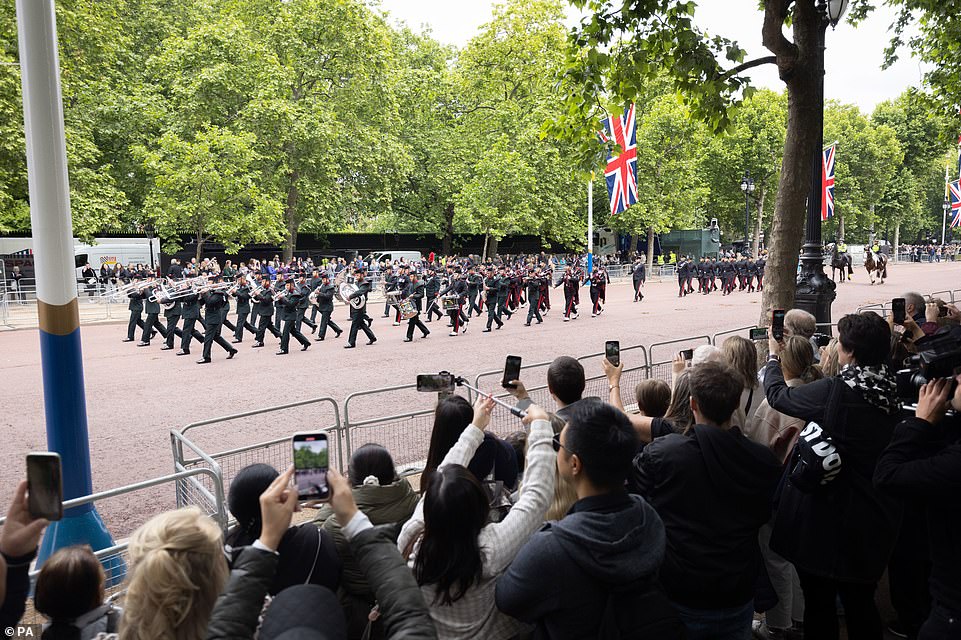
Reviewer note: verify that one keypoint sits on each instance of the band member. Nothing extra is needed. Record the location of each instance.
(761, 262)
(741, 268)
(599, 290)
(491, 284)
(214, 304)
(303, 292)
(277, 287)
(312, 285)
(503, 293)
(475, 282)
(432, 290)
(325, 304)
(416, 291)
(547, 279)
(682, 267)
(241, 293)
(264, 310)
(390, 284)
(572, 284)
(458, 287)
(135, 306)
(751, 274)
(358, 313)
(153, 316)
(172, 313)
(191, 314)
(533, 284)
(401, 284)
(289, 303)
(639, 277)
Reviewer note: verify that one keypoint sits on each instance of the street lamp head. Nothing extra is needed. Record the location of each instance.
(744, 184)
(750, 186)
(836, 9)
(945, 205)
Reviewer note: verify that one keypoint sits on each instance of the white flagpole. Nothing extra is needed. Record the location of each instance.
(947, 180)
(590, 224)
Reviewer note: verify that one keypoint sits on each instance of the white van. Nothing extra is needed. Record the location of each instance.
(110, 253)
(392, 256)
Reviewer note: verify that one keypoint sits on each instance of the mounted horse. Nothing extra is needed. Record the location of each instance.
(876, 264)
(840, 260)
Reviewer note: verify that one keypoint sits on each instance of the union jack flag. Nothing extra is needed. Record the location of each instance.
(955, 189)
(621, 171)
(827, 181)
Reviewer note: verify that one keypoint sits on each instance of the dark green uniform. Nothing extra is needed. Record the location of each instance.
(289, 303)
(214, 304)
(325, 304)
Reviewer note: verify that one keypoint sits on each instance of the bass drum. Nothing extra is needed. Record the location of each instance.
(408, 310)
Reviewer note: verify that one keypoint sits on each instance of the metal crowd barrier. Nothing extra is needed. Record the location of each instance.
(115, 559)
(224, 465)
(662, 368)
(743, 331)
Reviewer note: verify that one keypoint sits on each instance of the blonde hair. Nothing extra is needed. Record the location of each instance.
(829, 359)
(797, 357)
(565, 495)
(741, 354)
(177, 571)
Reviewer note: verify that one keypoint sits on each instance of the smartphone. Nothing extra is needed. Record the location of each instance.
(435, 382)
(311, 461)
(821, 339)
(777, 324)
(44, 485)
(687, 354)
(897, 309)
(612, 351)
(512, 371)
(759, 333)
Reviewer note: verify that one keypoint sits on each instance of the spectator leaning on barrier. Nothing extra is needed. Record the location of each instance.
(839, 538)
(306, 554)
(386, 500)
(713, 489)
(456, 554)
(594, 572)
(923, 463)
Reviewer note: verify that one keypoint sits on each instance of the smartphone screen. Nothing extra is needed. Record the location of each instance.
(777, 324)
(612, 351)
(512, 371)
(759, 333)
(44, 485)
(311, 462)
(897, 309)
(687, 354)
(435, 382)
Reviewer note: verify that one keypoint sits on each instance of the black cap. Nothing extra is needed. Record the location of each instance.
(304, 612)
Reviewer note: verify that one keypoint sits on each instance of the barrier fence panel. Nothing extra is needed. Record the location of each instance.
(661, 355)
(634, 360)
(743, 331)
(404, 431)
(200, 444)
(117, 517)
(946, 296)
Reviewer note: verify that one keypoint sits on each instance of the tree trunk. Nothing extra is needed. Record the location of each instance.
(897, 239)
(758, 221)
(636, 242)
(796, 63)
(840, 227)
(448, 229)
(200, 245)
(871, 233)
(492, 246)
(484, 252)
(290, 216)
(650, 250)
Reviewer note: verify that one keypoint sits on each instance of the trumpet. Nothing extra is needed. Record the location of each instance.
(210, 288)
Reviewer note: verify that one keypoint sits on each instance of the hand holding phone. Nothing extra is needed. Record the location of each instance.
(21, 532)
(687, 354)
(759, 333)
(897, 310)
(777, 324)
(512, 372)
(311, 461)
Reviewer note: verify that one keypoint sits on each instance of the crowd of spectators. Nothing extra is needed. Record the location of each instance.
(692, 515)
(928, 252)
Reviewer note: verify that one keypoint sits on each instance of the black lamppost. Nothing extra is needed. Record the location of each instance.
(815, 291)
(747, 186)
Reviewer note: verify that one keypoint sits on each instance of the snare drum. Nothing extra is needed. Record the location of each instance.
(408, 310)
(393, 297)
(450, 302)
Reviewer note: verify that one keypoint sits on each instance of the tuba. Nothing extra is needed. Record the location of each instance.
(344, 289)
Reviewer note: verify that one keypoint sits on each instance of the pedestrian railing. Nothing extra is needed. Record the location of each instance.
(661, 355)
(718, 338)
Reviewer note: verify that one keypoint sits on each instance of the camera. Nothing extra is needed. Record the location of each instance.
(940, 357)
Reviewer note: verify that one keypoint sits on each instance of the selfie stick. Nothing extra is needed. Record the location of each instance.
(461, 382)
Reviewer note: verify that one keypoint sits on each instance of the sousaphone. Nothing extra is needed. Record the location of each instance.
(344, 289)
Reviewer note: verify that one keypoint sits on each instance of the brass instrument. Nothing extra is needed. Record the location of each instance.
(343, 290)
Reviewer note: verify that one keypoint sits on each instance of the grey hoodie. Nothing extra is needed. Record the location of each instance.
(562, 577)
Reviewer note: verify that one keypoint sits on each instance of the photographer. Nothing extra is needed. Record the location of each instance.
(923, 462)
(840, 536)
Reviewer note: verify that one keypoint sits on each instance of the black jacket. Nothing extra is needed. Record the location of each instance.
(923, 463)
(713, 489)
(847, 531)
(18, 586)
(402, 608)
(607, 546)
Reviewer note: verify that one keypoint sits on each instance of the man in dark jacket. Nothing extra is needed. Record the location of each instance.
(638, 278)
(358, 311)
(923, 463)
(264, 311)
(325, 304)
(415, 293)
(713, 489)
(403, 612)
(135, 306)
(242, 295)
(593, 574)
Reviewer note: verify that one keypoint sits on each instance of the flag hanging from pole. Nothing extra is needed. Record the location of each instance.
(621, 171)
(955, 189)
(828, 156)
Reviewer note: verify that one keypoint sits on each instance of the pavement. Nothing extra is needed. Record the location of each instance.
(136, 395)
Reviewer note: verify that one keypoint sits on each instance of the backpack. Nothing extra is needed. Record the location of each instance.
(815, 462)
